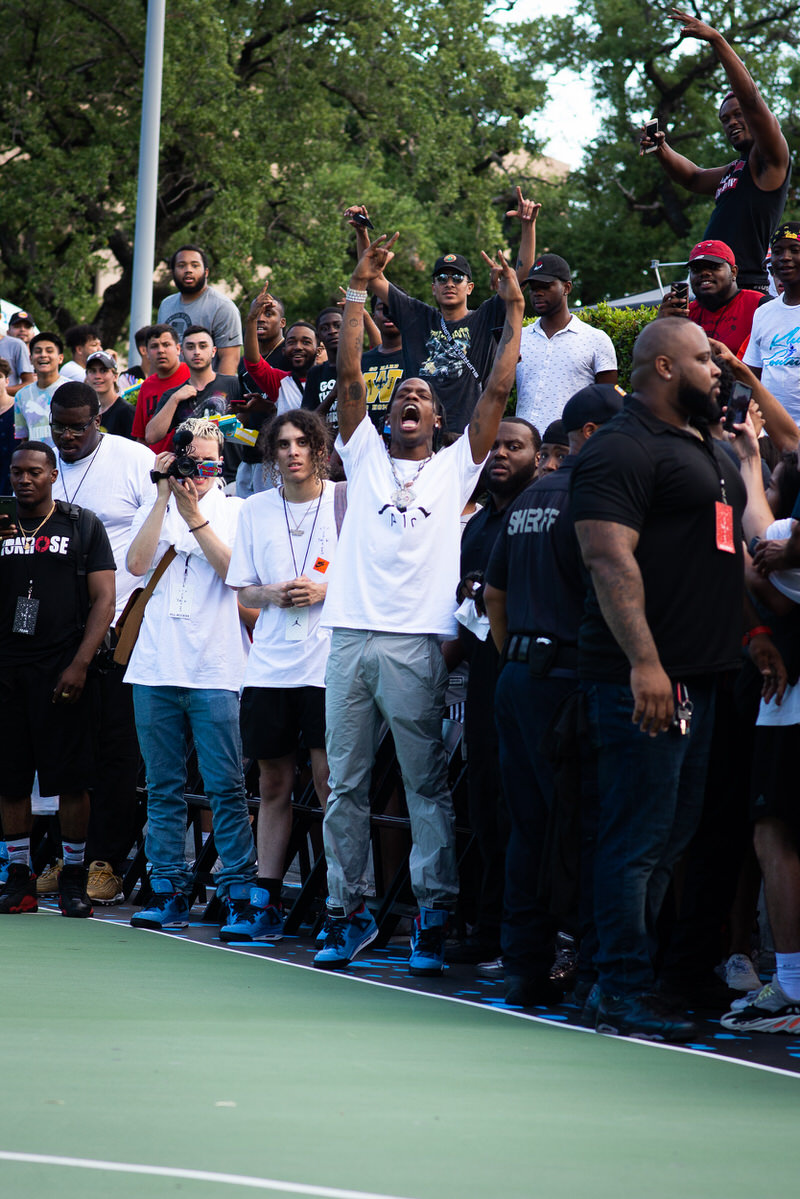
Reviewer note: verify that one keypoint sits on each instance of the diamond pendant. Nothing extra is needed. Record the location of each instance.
(403, 497)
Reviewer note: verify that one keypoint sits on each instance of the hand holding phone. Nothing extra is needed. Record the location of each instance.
(738, 407)
(649, 141)
(8, 517)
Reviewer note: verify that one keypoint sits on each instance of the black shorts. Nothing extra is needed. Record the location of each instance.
(774, 792)
(57, 740)
(273, 719)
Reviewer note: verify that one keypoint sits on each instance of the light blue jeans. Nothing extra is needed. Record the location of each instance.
(400, 678)
(250, 479)
(163, 715)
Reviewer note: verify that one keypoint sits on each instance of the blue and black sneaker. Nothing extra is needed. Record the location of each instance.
(427, 942)
(167, 909)
(346, 936)
(259, 920)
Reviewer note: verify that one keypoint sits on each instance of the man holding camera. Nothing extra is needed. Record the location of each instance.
(187, 667)
(723, 310)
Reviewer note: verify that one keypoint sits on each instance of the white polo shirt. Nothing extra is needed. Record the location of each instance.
(552, 369)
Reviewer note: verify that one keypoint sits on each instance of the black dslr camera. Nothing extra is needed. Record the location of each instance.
(185, 466)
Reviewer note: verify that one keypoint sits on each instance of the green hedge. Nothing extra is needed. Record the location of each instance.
(623, 326)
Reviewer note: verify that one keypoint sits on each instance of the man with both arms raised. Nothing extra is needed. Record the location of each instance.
(390, 599)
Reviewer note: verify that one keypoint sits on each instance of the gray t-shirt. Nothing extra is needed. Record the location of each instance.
(15, 352)
(211, 309)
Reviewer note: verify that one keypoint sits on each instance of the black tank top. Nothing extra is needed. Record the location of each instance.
(745, 217)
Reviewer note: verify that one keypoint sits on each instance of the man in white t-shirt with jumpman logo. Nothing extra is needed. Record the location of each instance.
(390, 599)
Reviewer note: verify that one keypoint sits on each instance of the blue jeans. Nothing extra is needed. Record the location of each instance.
(163, 715)
(650, 800)
(250, 479)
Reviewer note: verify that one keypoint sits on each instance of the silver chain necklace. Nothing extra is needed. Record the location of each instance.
(71, 499)
(405, 494)
(297, 530)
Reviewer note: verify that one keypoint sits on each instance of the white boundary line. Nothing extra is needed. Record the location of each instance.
(237, 1180)
(502, 1011)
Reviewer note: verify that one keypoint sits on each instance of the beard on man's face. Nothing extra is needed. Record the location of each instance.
(700, 405)
(185, 289)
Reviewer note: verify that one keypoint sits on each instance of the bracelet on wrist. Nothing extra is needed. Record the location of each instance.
(755, 632)
(355, 296)
(196, 527)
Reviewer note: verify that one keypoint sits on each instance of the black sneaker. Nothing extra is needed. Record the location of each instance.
(18, 893)
(643, 1016)
(72, 897)
(532, 992)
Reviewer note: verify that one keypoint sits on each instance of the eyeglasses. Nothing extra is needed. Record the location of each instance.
(443, 276)
(57, 426)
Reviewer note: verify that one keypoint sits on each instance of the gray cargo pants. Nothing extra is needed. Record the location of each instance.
(399, 677)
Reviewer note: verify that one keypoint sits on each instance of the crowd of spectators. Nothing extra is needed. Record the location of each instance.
(330, 517)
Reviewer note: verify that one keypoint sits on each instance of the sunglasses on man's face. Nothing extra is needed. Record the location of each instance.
(444, 276)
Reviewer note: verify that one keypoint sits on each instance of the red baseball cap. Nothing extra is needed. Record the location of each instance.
(713, 251)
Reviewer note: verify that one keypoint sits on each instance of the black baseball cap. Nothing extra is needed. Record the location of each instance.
(555, 434)
(21, 318)
(452, 262)
(549, 267)
(594, 404)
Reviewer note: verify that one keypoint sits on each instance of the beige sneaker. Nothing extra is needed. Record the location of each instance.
(104, 885)
(47, 882)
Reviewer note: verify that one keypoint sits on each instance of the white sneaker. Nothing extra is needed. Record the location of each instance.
(770, 1011)
(739, 973)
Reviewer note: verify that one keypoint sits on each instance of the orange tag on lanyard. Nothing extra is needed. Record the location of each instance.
(724, 515)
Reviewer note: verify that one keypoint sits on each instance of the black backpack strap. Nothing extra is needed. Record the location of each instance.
(83, 520)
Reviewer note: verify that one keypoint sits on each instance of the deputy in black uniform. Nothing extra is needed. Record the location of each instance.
(509, 470)
(535, 586)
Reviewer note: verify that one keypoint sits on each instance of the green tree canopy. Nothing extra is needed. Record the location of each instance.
(275, 117)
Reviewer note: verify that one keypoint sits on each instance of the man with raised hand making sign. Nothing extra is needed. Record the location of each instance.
(390, 598)
(750, 192)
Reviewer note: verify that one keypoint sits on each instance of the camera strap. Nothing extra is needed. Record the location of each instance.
(130, 621)
(457, 346)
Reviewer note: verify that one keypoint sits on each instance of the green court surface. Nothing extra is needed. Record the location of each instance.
(121, 1046)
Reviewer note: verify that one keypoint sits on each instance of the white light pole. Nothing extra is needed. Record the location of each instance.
(144, 246)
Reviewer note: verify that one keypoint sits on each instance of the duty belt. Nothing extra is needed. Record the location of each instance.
(521, 647)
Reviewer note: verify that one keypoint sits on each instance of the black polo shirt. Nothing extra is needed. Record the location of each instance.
(665, 482)
(537, 562)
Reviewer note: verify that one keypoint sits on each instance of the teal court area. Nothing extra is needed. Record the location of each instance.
(234, 1073)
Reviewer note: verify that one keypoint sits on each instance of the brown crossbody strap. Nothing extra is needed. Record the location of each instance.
(130, 621)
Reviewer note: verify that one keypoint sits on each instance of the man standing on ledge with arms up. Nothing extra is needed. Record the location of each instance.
(749, 193)
(390, 598)
(657, 506)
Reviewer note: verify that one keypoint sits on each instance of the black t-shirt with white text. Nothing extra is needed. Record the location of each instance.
(536, 560)
(382, 372)
(320, 383)
(439, 357)
(46, 569)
